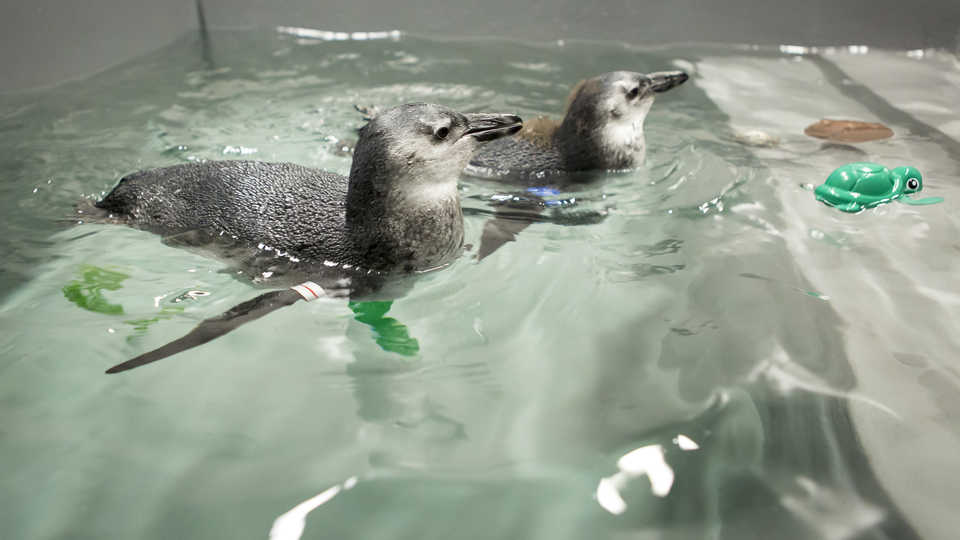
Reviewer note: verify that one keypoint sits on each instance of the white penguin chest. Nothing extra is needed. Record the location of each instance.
(625, 140)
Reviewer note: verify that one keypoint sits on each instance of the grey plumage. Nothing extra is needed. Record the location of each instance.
(397, 212)
(517, 159)
(286, 207)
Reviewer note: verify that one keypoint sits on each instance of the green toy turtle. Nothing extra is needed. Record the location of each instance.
(857, 186)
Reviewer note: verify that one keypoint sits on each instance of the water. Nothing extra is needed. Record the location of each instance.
(720, 356)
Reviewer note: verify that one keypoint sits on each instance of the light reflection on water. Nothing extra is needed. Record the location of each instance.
(677, 352)
(290, 525)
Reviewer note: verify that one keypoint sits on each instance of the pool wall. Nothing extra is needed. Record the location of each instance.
(46, 42)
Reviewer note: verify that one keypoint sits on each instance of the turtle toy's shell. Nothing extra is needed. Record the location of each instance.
(857, 186)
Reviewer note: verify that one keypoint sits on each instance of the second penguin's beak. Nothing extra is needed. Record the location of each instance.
(665, 80)
(487, 127)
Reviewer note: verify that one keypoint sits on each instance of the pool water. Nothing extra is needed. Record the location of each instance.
(710, 354)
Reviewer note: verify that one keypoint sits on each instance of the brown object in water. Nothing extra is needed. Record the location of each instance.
(848, 131)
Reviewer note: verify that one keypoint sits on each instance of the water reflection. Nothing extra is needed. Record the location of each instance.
(832, 513)
(389, 333)
(644, 461)
(503, 436)
(290, 525)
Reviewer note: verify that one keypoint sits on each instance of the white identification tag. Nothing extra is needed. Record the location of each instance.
(309, 290)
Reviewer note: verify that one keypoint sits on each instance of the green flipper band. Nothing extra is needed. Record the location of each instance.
(391, 335)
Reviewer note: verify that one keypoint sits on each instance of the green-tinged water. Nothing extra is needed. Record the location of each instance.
(721, 356)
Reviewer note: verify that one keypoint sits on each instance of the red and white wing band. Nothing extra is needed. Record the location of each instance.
(309, 290)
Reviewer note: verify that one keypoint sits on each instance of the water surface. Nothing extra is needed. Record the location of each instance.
(719, 356)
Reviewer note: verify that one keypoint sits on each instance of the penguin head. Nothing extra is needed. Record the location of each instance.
(425, 143)
(607, 112)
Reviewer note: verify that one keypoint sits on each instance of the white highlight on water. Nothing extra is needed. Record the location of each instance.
(290, 525)
(646, 461)
(685, 443)
(327, 35)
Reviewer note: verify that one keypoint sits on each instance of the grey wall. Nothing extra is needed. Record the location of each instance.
(898, 24)
(48, 41)
(43, 42)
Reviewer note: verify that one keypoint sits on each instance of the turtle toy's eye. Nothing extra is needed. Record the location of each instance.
(913, 183)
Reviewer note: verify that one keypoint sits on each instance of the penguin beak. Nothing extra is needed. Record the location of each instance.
(662, 81)
(487, 127)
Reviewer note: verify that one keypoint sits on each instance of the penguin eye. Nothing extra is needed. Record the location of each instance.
(913, 183)
(633, 92)
(441, 132)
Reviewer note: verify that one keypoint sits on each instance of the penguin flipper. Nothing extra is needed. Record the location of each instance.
(501, 229)
(214, 327)
(524, 210)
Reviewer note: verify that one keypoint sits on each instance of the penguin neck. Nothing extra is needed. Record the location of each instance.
(403, 223)
(617, 145)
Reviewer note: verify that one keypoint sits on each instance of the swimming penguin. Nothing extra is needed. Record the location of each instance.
(602, 130)
(397, 213)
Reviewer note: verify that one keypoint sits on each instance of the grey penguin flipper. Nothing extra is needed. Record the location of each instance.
(514, 213)
(497, 232)
(214, 327)
(503, 228)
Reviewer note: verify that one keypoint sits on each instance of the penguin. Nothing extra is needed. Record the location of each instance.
(397, 213)
(601, 130)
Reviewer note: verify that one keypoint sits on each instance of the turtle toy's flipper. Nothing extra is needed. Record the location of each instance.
(906, 199)
(838, 198)
(215, 327)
